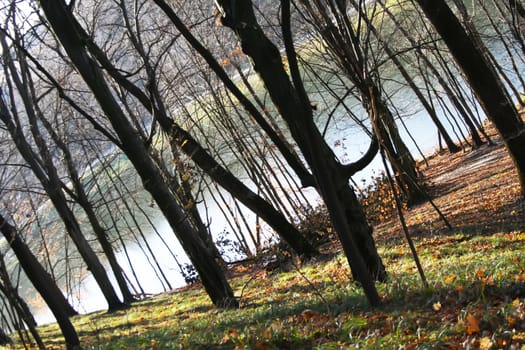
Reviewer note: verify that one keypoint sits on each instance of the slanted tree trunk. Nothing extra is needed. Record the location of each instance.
(80, 196)
(18, 304)
(333, 23)
(515, 5)
(179, 183)
(350, 225)
(398, 154)
(452, 147)
(33, 269)
(483, 80)
(441, 80)
(4, 338)
(181, 138)
(82, 199)
(212, 277)
(43, 284)
(53, 187)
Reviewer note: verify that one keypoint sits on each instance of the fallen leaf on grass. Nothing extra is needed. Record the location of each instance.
(472, 324)
(308, 314)
(262, 346)
(450, 278)
(436, 306)
(485, 343)
(480, 273)
(520, 277)
(230, 334)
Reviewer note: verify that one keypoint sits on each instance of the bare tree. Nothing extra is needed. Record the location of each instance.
(292, 102)
(42, 165)
(483, 79)
(43, 284)
(61, 20)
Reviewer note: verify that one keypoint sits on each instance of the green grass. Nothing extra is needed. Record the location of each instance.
(476, 296)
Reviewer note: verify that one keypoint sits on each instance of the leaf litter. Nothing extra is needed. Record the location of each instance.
(475, 298)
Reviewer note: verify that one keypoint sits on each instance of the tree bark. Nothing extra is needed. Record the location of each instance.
(483, 80)
(43, 284)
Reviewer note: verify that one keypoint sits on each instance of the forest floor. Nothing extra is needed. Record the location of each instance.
(475, 296)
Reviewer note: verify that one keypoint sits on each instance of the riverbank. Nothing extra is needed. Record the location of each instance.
(476, 275)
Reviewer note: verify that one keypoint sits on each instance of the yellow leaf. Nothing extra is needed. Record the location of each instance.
(450, 278)
(511, 320)
(472, 324)
(436, 306)
(459, 289)
(230, 334)
(485, 343)
(520, 277)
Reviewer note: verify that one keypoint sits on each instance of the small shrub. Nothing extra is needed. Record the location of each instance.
(189, 273)
(316, 225)
(378, 201)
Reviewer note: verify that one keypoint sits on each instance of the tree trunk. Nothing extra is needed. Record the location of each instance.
(4, 338)
(82, 199)
(334, 25)
(43, 284)
(483, 80)
(331, 183)
(18, 304)
(240, 191)
(212, 277)
(448, 90)
(52, 186)
(452, 147)
(398, 154)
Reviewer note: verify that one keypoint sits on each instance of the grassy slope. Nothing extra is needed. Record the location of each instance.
(476, 274)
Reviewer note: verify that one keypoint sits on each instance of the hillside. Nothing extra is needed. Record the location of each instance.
(475, 297)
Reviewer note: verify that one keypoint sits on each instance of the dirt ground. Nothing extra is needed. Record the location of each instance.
(476, 190)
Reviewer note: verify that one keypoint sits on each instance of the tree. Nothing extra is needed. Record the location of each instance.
(24, 318)
(180, 138)
(43, 283)
(483, 80)
(350, 48)
(61, 21)
(291, 100)
(42, 165)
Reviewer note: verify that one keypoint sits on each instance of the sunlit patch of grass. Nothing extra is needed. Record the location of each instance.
(475, 294)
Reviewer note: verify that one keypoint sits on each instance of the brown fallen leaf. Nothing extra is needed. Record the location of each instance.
(472, 324)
